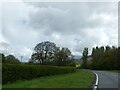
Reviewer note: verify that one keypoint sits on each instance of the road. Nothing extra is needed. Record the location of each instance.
(107, 79)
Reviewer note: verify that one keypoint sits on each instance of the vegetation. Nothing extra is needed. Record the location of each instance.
(63, 57)
(85, 55)
(79, 79)
(8, 59)
(47, 53)
(2, 58)
(44, 51)
(12, 73)
(117, 71)
(47, 58)
(104, 58)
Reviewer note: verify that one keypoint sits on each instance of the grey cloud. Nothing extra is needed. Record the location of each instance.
(89, 21)
(72, 25)
(70, 20)
(4, 44)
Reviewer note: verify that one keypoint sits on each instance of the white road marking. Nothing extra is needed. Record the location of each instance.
(96, 83)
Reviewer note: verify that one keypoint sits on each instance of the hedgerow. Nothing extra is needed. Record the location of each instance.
(12, 73)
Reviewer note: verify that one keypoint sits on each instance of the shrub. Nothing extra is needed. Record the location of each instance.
(12, 73)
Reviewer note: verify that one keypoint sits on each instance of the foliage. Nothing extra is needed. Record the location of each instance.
(14, 72)
(47, 53)
(43, 51)
(85, 55)
(105, 58)
(63, 57)
(2, 57)
(9, 59)
(89, 64)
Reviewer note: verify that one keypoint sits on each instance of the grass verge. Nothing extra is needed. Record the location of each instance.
(118, 71)
(79, 79)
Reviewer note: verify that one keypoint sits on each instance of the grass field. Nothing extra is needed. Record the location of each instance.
(79, 79)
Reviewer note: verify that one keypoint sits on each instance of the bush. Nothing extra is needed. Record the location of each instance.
(12, 73)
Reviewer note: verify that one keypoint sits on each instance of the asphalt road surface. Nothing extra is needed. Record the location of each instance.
(108, 79)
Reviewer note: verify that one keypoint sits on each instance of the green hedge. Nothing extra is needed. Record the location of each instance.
(12, 73)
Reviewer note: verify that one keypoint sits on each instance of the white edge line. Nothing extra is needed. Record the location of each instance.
(96, 83)
(96, 79)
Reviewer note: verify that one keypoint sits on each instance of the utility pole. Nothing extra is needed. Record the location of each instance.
(21, 58)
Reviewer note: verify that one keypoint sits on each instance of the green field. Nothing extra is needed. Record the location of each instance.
(79, 79)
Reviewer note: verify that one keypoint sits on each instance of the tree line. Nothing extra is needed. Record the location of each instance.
(47, 53)
(10, 59)
(103, 58)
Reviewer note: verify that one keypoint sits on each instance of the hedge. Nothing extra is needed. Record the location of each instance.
(12, 73)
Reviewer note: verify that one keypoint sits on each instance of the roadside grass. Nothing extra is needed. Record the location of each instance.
(118, 71)
(78, 79)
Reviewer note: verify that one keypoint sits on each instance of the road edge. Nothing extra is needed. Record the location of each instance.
(96, 82)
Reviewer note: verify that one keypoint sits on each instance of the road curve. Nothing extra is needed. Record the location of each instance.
(107, 79)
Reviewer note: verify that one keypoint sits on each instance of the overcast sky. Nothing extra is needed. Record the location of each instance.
(72, 25)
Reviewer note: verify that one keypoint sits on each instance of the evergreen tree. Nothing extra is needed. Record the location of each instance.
(85, 55)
